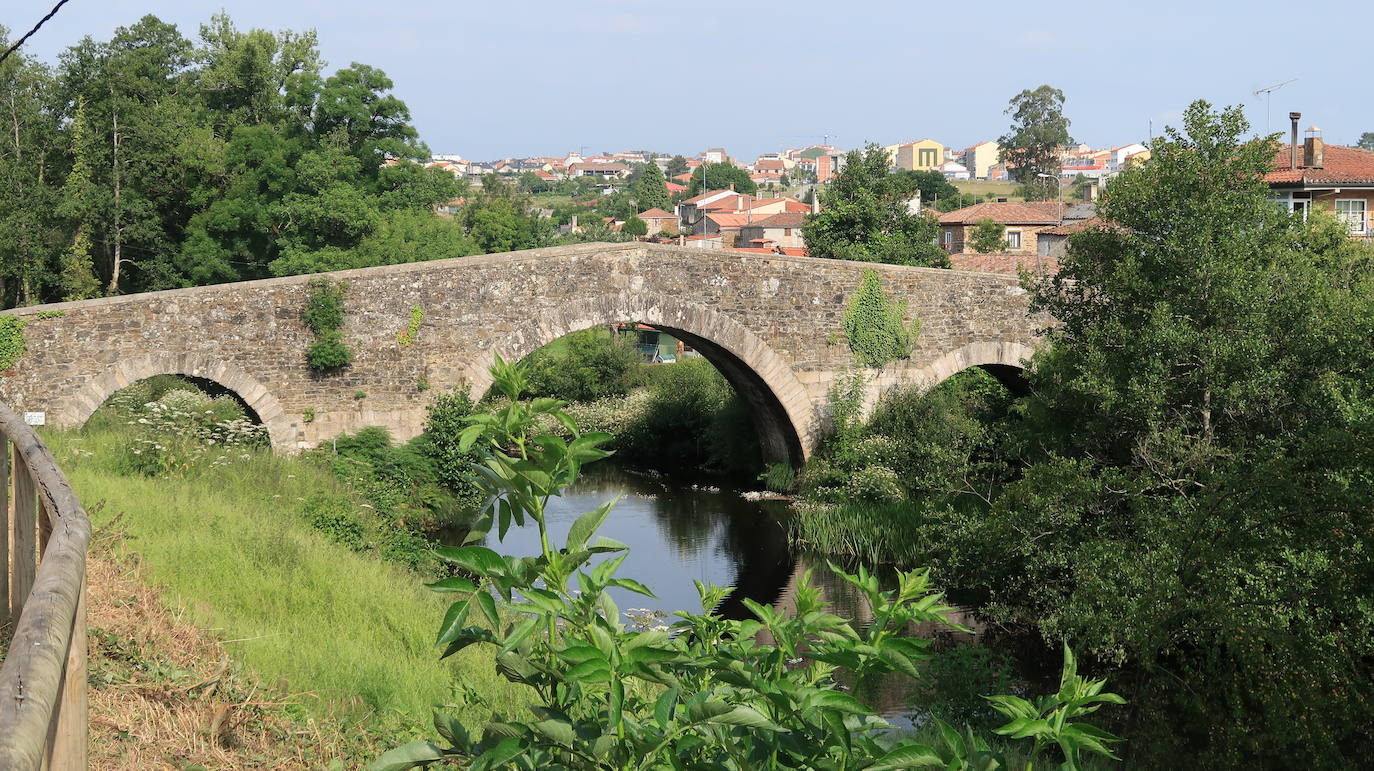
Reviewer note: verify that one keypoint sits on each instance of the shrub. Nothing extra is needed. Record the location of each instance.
(329, 352)
(874, 325)
(334, 515)
(11, 340)
(324, 315)
(591, 364)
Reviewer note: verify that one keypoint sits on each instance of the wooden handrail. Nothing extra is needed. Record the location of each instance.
(43, 681)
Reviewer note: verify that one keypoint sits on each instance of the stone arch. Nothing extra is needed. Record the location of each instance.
(226, 374)
(783, 415)
(1005, 361)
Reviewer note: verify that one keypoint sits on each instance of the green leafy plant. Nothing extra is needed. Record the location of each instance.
(324, 315)
(874, 325)
(308, 415)
(406, 337)
(360, 395)
(422, 383)
(50, 314)
(988, 236)
(11, 340)
(711, 692)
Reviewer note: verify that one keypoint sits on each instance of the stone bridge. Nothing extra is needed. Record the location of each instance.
(769, 323)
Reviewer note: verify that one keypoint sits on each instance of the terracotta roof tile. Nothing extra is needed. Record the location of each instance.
(1035, 213)
(729, 221)
(656, 214)
(1341, 165)
(783, 220)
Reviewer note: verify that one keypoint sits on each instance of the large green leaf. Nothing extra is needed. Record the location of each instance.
(409, 755)
(910, 756)
(587, 524)
(475, 559)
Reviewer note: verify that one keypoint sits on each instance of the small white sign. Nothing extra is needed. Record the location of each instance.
(36, 418)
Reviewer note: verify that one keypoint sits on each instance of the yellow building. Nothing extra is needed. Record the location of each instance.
(921, 155)
(981, 157)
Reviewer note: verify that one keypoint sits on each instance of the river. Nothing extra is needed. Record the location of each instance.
(680, 532)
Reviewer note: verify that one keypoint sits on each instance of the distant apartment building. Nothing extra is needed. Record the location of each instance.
(980, 158)
(921, 155)
(714, 155)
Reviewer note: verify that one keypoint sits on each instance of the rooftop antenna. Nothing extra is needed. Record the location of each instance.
(1268, 94)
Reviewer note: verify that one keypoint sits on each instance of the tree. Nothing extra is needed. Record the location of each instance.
(355, 111)
(31, 157)
(988, 236)
(650, 190)
(676, 165)
(634, 226)
(1197, 474)
(1366, 141)
(866, 216)
(1038, 131)
(721, 176)
(935, 189)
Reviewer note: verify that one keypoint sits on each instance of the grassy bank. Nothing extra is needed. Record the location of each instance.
(227, 542)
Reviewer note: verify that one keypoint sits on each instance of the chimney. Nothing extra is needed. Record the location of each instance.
(815, 201)
(1293, 141)
(1314, 150)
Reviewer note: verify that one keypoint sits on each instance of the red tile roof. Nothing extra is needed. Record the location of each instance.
(1077, 226)
(1036, 213)
(1006, 264)
(729, 221)
(1341, 165)
(784, 220)
(656, 214)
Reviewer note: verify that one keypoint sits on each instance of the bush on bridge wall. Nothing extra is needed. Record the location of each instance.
(324, 314)
(11, 341)
(874, 326)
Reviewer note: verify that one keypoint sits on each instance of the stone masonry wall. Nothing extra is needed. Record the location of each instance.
(772, 314)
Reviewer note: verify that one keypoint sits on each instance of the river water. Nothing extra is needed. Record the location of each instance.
(680, 532)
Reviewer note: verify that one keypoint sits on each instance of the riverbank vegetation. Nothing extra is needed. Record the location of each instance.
(710, 692)
(1185, 494)
(307, 568)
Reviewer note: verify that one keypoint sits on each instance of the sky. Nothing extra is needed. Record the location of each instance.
(495, 79)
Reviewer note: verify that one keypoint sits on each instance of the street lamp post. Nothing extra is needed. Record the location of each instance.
(1058, 192)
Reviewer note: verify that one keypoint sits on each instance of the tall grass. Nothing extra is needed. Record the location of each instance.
(875, 533)
(229, 546)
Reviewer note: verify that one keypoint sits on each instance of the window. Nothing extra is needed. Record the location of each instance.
(949, 238)
(1013, 239)
(1352, 212)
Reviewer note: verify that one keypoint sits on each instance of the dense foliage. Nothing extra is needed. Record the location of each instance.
(707, 693)
(875, 327)
(988, 236)
(1032, 144)
(324, 315)
(650, 190)
(153, 161)
(721, 176)
(867, 216)
(1186, 493)
(583, 366)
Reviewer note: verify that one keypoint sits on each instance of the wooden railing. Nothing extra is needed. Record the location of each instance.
(43, 595)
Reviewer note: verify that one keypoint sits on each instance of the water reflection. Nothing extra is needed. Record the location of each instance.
(680, 532)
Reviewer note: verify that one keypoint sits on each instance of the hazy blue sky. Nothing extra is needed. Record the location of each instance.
(492, 79)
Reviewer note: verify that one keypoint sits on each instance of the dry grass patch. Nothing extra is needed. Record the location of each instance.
(165, 694)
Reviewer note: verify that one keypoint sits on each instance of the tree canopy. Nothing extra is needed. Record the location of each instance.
(1197, 502)
(866, 216)
(1038, 131)
(721, 176)
(152, 161)
(1366, 141)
